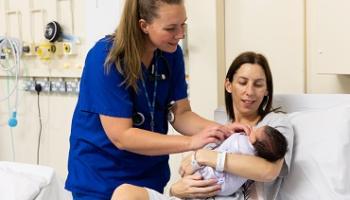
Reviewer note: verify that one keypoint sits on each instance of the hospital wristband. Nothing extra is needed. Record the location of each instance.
(220, 161)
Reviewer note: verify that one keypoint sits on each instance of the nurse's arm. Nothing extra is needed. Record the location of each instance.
(121, 133)
(186, 121)
(250, 167)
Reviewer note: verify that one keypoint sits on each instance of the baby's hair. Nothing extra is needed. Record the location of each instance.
(273, 146)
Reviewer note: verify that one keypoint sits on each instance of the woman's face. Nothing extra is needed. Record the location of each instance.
(167, 29)
(248, 88)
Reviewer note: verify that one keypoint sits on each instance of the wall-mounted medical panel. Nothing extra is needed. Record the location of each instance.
(49, 51)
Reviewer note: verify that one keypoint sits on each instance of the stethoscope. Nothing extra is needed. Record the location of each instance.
(138, 117)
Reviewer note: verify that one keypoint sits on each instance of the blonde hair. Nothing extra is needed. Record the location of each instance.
(129, 40)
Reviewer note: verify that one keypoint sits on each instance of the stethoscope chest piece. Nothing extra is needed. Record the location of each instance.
(171, 117)
(138, 119)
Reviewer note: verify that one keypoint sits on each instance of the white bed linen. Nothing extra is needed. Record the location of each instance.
(321, 161)
(21, 181)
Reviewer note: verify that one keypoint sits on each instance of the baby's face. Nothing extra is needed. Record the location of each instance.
(256, 134)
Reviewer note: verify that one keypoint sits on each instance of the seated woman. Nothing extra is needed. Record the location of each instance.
(248, 99)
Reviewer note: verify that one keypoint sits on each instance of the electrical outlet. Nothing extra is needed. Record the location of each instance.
(72, 86)
(45, 85)
(55, 85)
(29, 85)
(58, 86)
(77, 89)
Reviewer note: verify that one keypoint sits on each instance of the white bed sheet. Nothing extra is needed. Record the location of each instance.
(20, 181)
(321, 162)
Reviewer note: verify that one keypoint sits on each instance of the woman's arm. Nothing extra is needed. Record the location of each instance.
(251, 167)
(188, 122)
(125, 137)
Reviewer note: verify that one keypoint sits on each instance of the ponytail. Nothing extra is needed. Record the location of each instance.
(129, 40)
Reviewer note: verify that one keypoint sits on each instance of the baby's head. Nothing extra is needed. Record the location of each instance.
(269, 143)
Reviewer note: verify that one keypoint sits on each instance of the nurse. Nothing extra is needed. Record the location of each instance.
(119, 126)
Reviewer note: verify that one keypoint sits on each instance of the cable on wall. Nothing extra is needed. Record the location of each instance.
(38, 89)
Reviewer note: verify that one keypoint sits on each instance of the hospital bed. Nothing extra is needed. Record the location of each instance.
(20, 181)
(321, 156)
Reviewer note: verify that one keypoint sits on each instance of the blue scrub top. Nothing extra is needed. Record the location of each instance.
(96, 166)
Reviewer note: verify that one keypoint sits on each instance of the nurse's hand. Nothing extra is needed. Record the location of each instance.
(236, 127)
(210, 134)
(193, 186)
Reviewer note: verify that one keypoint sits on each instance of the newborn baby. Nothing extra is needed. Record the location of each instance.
(265, 142)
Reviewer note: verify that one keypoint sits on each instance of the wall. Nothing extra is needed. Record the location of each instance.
(56, 109)
(273, 28)
(328, 46)
(205, 55)
(278, 29)
(291, 34)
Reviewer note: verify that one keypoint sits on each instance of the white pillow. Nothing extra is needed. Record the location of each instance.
(321, 161)
(21, 181)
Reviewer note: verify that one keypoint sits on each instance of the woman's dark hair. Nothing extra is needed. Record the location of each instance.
(251, 58)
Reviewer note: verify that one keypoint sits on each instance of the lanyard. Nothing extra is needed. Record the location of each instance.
(151, 105)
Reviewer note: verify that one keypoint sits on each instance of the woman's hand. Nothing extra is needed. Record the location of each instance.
(210, 134)
(193, 186)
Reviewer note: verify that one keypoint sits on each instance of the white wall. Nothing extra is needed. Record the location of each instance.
(292, 34)
(203, 57)
(56, 112)
(328, 46)
(273, 27)
(90, 24)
